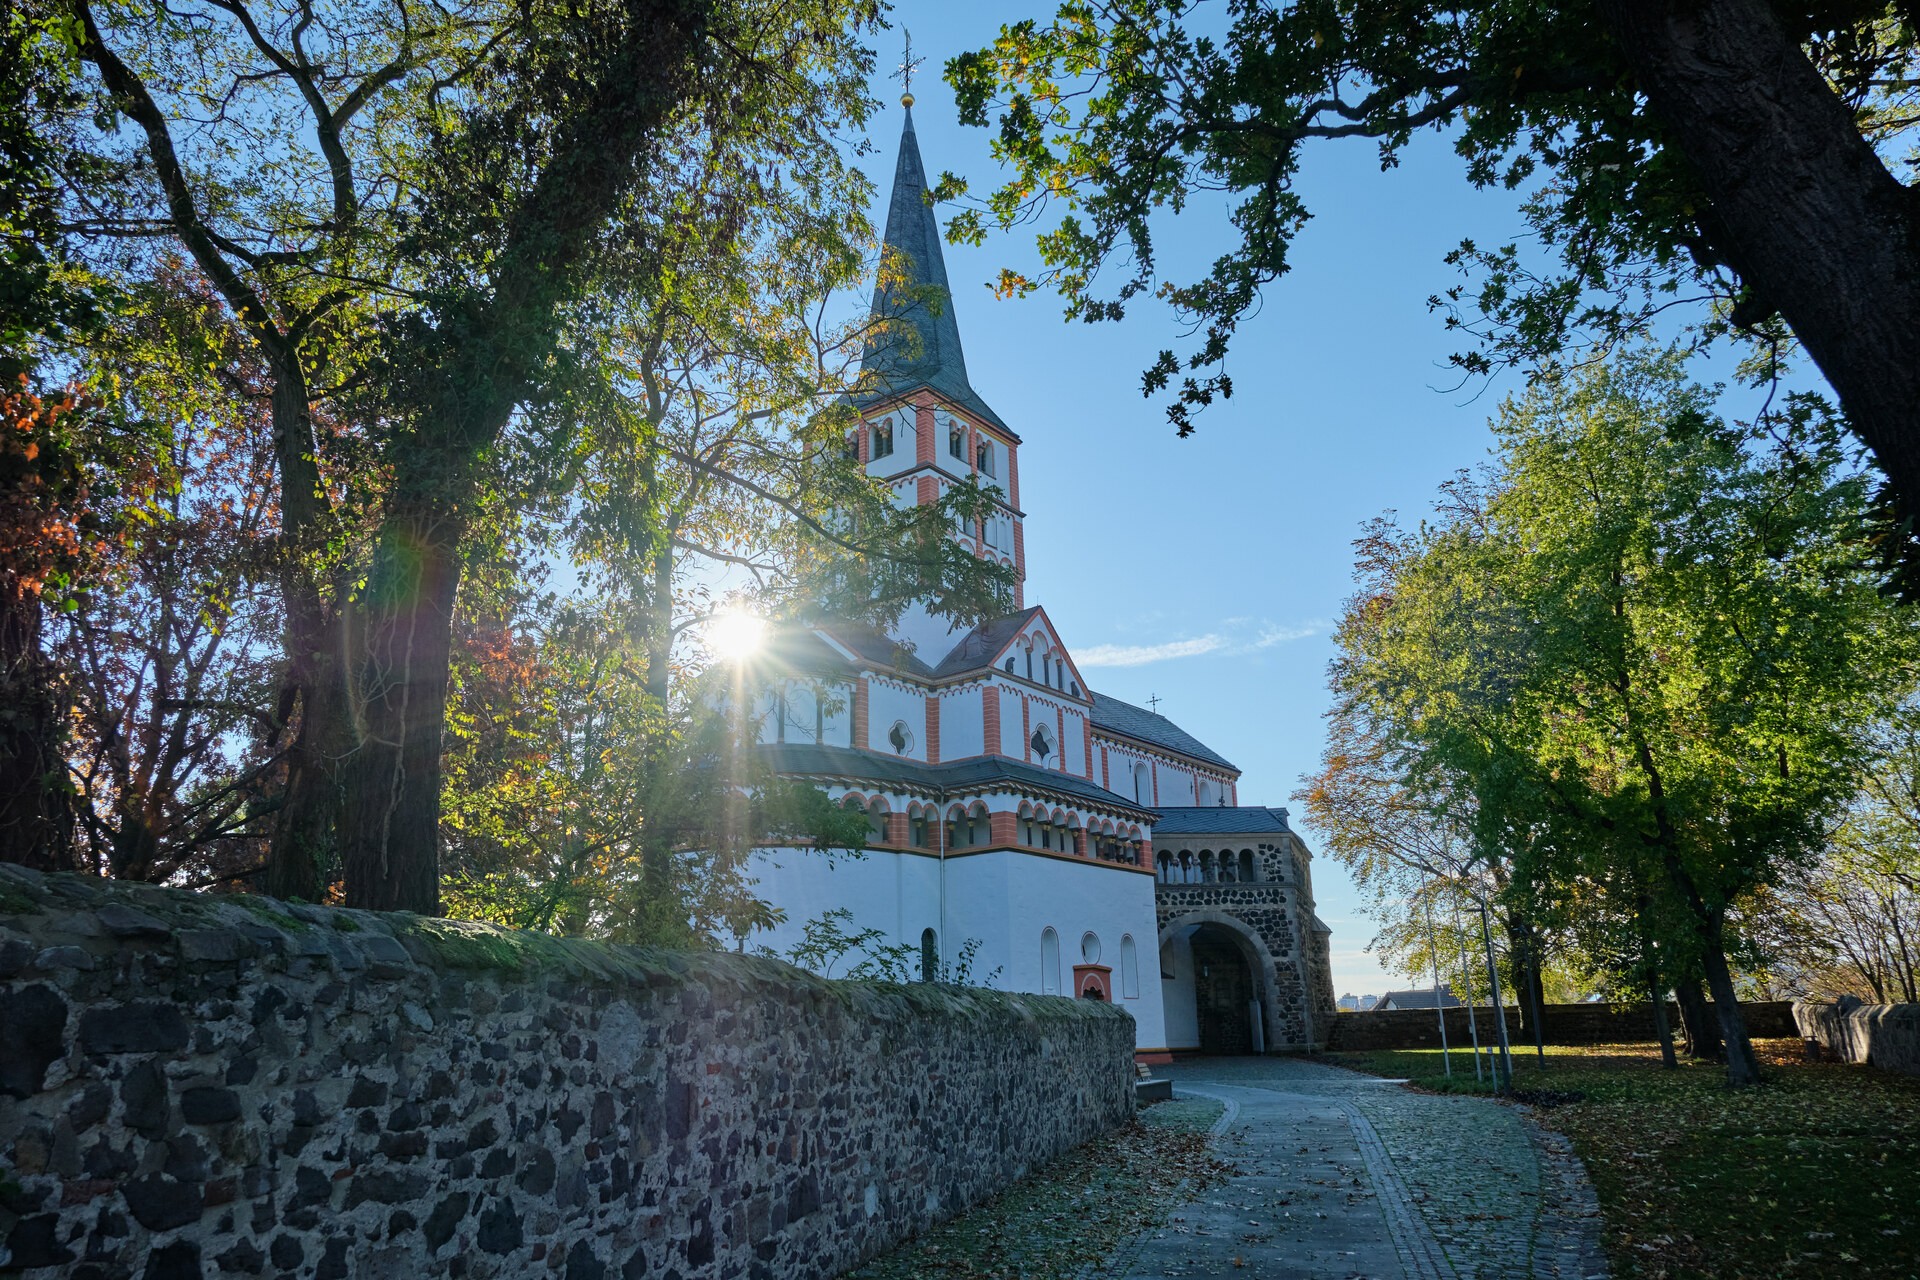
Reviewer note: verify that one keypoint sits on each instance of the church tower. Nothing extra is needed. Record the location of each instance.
(924, 427)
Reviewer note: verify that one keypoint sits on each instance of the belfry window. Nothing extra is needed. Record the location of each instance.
(880, 441)
(957, 443)
(983, 457)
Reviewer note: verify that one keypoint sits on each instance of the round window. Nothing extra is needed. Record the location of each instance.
(1090, 948)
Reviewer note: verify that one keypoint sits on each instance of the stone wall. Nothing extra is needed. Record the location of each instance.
(201, 1086)
(1886, 1036)
(1565, 1024)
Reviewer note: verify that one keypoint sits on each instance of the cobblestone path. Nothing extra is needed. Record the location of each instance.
(1341, 1176)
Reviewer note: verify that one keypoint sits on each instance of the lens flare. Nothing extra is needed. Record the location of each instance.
(736, 634)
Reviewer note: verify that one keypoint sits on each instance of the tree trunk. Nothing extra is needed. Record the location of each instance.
(401, 628)
(1661, 1027)
(1802, 207)
(1743, 1067)
(1531, 990)
(304, 851)
(36, 816)
(1703, 1032)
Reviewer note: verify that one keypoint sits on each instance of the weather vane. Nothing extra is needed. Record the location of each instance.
(904, 74)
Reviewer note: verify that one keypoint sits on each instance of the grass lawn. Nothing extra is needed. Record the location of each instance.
(1814, 1173)
(1055, 1221)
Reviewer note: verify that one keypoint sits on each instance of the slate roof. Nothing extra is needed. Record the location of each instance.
(1210, 820)
(1147, 726)
(876, 646)
(1443, 999)
(980, 644)
(979, 771)
(800, 651)
(921, 347)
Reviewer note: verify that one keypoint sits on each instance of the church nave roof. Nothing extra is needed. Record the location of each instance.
(1150, 727)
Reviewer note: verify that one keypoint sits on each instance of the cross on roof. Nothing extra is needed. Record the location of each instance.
(1154, 702)
(904, 73)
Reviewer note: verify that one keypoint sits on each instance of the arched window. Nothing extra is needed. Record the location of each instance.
(1162, 868)
(880, 439)
(1142, 783)
(1204, 794)
(1090, 947)
(900, 737)
(957, 442)
(1073, 687)
(983, 457)
(1009, 666)
(929, 956)
(1049, 962)
(1246, 866)
(1029, 653)
(1042, 744)
(919, 830)
(1129, 969)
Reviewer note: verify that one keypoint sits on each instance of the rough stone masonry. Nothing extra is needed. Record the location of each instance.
(206, 1086)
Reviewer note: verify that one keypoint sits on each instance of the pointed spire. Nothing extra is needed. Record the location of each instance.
(921, 345)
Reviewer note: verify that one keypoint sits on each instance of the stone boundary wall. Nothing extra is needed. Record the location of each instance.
(1566, 1024)
(1886, 1036)
(196, 1086)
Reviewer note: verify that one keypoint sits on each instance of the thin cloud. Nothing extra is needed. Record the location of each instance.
(1214, 642)
(1139, 655)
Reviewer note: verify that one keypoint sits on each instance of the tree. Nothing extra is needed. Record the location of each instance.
(1849, 924)
(1647, 637)
(1726, 149)
(480, 172)
(171, 655)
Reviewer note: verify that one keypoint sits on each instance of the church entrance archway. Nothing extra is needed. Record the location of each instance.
(1226, 992)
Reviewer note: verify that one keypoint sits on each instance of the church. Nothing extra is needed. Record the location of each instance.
(1048, 837)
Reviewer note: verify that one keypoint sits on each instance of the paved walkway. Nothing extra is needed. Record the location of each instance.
(1341, 1176)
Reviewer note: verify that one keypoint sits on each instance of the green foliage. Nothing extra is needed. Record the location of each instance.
(1124, 111)
(1629, 663)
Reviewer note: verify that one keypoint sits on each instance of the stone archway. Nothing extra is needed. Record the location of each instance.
(1236, 1004)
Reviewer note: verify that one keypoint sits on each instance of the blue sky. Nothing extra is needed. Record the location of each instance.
(1208, 571)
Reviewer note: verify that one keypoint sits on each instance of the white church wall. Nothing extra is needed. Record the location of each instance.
(1073, 748)
(903, 456)
(1182, 1016)
(896, 893)
(888, 703)
(1004, 899)
(930, 638)
(1176, 785)
(836, 710)
(1008, 900)
(1010, 721)
(963, 723)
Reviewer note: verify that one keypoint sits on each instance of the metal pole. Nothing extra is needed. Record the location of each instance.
(1433, 954)
(1503, 1078)
(1466, 985)
(940, 823)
